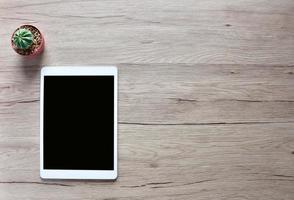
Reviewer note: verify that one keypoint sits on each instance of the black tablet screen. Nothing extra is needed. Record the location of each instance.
(78, 125)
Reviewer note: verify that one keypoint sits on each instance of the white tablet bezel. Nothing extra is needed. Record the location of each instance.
(78, 174)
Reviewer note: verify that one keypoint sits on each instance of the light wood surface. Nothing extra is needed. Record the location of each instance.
(206, 96)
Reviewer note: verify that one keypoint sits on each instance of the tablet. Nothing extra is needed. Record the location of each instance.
(78, 123)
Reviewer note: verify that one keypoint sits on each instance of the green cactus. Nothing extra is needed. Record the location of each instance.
(23, 38)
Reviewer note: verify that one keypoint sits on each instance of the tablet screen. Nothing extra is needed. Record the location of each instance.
(78, 126)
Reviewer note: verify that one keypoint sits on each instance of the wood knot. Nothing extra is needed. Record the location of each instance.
(147, 42)
(154, 165)
(228, 25)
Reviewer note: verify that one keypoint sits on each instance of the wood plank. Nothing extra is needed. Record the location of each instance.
(171, 94)
(169, 162)
(91, 32)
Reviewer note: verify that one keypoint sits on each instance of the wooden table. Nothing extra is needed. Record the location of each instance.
(206, 96)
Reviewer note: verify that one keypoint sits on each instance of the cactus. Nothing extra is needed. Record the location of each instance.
(23, 38)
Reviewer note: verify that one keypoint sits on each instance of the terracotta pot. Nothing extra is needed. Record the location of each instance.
(30, 52)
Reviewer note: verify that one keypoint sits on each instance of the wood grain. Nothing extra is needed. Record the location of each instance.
(206, 96)
(227, 32)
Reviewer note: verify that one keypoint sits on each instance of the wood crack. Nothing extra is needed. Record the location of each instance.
(77, 16)
(18, 19)
(20, 101)
(270, 179)
(201, 124)
(285, 176)
(187, 64)
(184, 100)
(166, 184)
(240, 100)
(281, 101)
(34, 182)
(192, 183)
(143, 185)
(45, 3)
(93, 17)
(28, 101)
(34, 4)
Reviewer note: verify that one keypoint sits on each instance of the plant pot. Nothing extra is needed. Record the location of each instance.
(37, 46)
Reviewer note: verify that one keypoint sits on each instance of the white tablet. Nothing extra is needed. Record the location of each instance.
(78, 123)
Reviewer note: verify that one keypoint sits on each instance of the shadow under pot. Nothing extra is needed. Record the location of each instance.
(27, 40)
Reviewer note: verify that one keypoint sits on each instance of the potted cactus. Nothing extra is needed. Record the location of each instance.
(27, 40)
